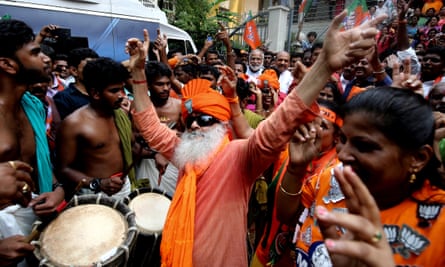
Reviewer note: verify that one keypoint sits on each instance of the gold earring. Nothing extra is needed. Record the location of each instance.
(412, 178)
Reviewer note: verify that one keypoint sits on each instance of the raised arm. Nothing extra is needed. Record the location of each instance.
(228, 82)
(343, 49)
(303, 148)
(158, 135)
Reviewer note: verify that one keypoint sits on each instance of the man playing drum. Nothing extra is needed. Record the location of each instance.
(23, 134)
(94, 142)
(206, 223)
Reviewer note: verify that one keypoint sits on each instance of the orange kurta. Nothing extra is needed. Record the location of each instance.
(223, 190)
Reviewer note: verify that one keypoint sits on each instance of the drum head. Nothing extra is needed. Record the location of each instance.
(151, 211)
(84, 235)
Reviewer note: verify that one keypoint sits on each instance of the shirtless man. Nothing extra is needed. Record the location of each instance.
(169, 112)
(22, 120)
(94, 142)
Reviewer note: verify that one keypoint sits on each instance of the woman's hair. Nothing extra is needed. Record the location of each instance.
(404, 117)
(337, 95)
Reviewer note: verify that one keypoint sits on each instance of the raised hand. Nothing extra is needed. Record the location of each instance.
(227, 81)
(404, 79)
(138, 51)
(305, 144)
(345, 47)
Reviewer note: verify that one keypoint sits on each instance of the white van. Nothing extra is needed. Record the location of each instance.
(103, 25)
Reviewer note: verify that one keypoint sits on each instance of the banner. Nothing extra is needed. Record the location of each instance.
(357, 14)
(251, 36)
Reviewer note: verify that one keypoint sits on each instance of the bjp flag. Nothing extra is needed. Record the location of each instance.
(251, 36)
(357, 15)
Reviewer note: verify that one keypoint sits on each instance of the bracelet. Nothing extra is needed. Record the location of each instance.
(233, 100)
(139, 82)
(236, 115)
(290, 194)
(379, 72)
(57, 184)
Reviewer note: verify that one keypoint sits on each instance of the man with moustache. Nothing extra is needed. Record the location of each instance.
(75, 94)
(433, 68)
(93, 144)
(168, 110)
(255, 66)
(285, 78)
(206, 222)
(23, 136)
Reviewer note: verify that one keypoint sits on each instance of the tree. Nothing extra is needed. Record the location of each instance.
(199, 18)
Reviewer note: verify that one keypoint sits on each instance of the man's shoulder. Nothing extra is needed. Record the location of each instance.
(78, 116)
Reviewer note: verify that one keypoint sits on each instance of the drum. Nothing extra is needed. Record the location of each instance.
(93, 230)
(151, 207)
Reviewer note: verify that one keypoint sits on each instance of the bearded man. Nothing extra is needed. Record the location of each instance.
(23, 138)
(255, 66)
(206, 222)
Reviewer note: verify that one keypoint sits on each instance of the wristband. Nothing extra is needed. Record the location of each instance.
(379, 72)
(57, 184)
(139, 82)
(233, 100)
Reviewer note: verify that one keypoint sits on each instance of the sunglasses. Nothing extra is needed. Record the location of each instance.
(432, 59)
(203, 120)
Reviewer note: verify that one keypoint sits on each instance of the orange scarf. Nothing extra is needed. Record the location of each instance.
(179, 229)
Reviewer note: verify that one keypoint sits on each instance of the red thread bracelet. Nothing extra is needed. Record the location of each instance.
(139, 82)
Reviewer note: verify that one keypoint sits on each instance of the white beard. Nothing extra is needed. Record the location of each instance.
(198, 145)
(255, 68)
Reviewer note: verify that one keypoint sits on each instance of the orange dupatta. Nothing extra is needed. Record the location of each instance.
(179, 229)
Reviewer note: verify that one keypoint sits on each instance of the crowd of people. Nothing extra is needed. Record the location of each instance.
(331, 157)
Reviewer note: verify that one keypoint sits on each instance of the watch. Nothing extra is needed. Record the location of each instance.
(95, 185)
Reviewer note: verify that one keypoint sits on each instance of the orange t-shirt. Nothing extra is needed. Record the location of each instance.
(414, 229)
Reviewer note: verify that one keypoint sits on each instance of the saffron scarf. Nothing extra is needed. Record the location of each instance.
(123, 125)
(36, 115)
(179, 229)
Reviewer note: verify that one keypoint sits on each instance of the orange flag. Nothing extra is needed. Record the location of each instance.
(251, 36)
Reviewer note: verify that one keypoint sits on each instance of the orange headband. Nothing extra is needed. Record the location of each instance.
(331, 116)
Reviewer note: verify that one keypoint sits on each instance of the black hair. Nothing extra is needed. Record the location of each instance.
(75, 56)
(48, 51)
(338, 99)
(61, 57)
(189, 68)
(312, 34)
(155, 70)
(242, 64)
(102, 72)
(14, 34)
(242, 89)
(437, 50)
(207, 69)
(403, 117)
(315, 46)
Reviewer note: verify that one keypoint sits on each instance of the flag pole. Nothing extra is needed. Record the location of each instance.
(260, 14)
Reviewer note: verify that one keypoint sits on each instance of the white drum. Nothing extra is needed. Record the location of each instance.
(150, 207)
(94, 230)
